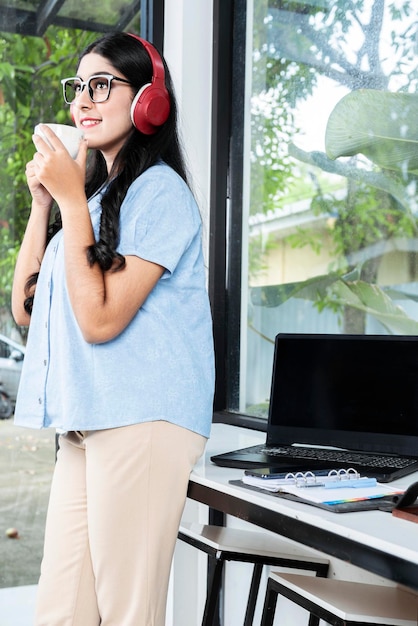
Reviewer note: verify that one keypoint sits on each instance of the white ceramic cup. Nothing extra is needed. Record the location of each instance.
(69, 135)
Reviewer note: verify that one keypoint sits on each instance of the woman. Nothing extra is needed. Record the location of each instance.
(119, 354)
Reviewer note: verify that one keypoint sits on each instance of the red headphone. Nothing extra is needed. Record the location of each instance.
(151, 105)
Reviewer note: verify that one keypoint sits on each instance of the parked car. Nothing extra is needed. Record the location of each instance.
(11, 359)
(6, 405)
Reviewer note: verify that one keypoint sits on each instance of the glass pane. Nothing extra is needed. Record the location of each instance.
(33, 17)
(330, 236)
(30, 92)
(21, 4)
(95, 11)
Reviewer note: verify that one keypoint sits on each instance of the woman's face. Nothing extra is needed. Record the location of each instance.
(106, 125)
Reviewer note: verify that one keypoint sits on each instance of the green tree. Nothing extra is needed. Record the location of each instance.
(30, 92)
(343, 42)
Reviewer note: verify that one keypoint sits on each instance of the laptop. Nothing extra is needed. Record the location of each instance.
(340, 401)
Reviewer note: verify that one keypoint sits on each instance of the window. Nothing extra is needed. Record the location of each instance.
(37, 44)
(322, 222)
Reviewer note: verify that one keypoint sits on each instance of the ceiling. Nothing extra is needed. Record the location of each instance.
(32, 17)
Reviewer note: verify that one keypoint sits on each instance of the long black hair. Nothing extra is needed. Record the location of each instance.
(128, 55)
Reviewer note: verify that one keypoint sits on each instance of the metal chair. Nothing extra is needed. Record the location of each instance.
(342, 602)
(259, 548)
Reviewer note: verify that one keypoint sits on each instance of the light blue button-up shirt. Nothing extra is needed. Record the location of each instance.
(161, 366)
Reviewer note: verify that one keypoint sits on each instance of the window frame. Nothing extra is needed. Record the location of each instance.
(226, 206)
(152, 22)
(226, 196)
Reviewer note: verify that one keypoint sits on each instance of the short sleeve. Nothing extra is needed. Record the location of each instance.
(159, 218)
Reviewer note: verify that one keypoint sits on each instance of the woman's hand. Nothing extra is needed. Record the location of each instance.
(41, 197)
(56, 171)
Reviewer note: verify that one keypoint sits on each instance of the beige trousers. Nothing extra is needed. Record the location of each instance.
(117, 497)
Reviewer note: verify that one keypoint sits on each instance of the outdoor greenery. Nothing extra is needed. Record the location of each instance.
(373, 129)
(30, 92)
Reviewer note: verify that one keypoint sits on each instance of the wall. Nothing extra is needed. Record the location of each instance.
(188, 51)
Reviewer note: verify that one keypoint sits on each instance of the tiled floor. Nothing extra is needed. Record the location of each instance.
(17, 606)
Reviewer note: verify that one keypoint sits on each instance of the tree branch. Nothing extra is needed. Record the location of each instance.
(375, 179)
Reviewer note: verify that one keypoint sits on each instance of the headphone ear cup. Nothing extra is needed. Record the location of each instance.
(150, 108)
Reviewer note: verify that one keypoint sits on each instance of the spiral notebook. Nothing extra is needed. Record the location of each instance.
(337, 490)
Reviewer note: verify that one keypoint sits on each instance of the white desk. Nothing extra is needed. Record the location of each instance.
(373, 540)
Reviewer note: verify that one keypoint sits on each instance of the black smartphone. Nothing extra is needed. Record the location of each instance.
(283, 471)
(271, 472)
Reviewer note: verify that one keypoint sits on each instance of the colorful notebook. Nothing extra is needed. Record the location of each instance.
(338, 490)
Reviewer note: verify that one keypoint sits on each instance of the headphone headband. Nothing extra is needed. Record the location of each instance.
(151, 105)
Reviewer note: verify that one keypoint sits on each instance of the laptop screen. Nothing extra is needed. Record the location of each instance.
(350, 391)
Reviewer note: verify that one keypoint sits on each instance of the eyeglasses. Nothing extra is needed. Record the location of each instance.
(98, 87)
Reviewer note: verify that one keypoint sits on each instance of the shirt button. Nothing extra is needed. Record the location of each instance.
(45, 361)
(39, 400)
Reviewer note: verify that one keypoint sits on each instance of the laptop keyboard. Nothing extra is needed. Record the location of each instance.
(339, 456)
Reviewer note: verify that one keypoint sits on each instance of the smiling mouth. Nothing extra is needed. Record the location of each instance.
(89, 123)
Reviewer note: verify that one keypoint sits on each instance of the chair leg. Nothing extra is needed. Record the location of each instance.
(270, 603)
(321, 573)
(252, 597)
(313, 620)
(214, 587)
(269, 607)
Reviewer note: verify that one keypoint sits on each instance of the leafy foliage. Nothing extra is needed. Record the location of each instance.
(30, 92)
(311, 40)
(382, 125)
(336, 291)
